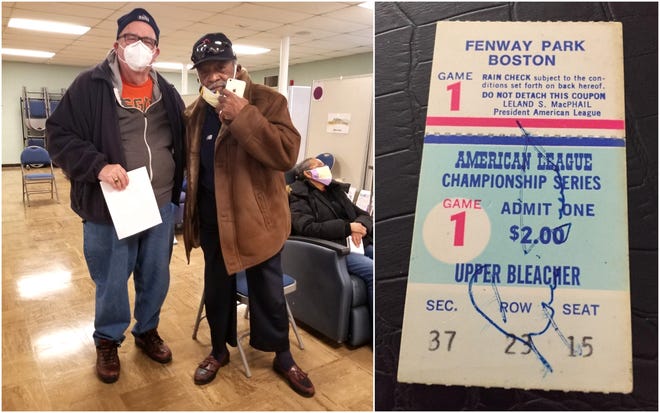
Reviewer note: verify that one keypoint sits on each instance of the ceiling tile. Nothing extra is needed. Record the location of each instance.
(328, 28)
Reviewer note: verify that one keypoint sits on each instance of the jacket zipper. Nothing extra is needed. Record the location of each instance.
(144, 133)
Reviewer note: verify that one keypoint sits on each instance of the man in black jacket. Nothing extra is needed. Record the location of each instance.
(320, 209)
(118, 116)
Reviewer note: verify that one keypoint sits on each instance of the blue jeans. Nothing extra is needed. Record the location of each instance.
(111, 261)
(362, 266)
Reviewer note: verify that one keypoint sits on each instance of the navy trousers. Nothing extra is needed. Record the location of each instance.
(269, 323)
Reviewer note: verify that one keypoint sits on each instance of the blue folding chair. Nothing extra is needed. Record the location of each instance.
(33, 157)
(53, 105)
(36, 114)
(32, 141)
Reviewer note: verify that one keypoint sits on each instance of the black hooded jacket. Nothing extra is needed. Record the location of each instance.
(83, 137)
(313, 216)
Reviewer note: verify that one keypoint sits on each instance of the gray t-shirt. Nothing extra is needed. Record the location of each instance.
(146, 138)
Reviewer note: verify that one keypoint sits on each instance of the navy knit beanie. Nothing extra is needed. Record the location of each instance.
(140, 15)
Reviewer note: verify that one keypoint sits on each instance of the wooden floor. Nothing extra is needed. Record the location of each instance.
(48, 355)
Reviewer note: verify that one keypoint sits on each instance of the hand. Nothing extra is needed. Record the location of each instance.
(115, 175)
(358, 228)
(357, 239)
(230, 105)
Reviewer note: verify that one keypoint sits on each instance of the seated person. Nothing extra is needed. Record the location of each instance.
(320, 209)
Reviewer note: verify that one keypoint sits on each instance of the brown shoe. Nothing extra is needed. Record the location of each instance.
(107, 361)
(154, 346)
(208, 368)
(297, 379)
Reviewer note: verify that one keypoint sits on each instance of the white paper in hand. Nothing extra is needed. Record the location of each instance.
(354, 248)
(134, 209)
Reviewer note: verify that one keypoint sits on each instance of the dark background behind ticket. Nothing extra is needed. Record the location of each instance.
(404, 42)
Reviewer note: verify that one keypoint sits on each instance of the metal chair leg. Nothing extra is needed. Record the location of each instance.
(57, 195)
(248, 373)
(293, 324)
(199, 318)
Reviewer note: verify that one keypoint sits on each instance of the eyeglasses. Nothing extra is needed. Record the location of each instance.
(209, 49)
(131, 38)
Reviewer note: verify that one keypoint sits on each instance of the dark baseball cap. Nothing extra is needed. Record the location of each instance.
(212, 46)
(139, 15)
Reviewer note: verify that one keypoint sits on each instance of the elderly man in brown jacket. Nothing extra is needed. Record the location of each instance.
(237, 207)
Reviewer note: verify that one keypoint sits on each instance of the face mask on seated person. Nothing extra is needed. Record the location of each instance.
(322, 175)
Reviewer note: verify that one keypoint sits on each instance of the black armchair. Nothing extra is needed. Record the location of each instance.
(327, 298)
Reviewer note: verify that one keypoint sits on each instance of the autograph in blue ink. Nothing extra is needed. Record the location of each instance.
(547, 309)
(563, 229)
(527, 247)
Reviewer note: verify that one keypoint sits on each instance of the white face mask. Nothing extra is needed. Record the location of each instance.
(138, 56)
(209, 96)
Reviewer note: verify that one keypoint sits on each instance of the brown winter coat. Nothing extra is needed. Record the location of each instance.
(251, 155)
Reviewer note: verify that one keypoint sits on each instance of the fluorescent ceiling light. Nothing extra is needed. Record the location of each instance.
(249, 50)
(168, 65)
(27, 53)
(47, 26)
(367, 5)
(171, 66)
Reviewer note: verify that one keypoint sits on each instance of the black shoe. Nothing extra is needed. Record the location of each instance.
(298, 379)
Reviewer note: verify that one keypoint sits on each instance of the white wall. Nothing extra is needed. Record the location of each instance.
(350, 96)
(305, 74)
(15, 75)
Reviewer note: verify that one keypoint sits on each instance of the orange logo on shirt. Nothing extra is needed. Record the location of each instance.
(138, 103)
(138, 97)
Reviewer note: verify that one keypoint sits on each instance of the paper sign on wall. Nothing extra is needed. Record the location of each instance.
(338, 123)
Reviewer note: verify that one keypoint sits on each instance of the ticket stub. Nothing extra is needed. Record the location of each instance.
(563, 78)
(519, 264)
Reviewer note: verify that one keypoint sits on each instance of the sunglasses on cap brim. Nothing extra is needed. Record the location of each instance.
(208, 48)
